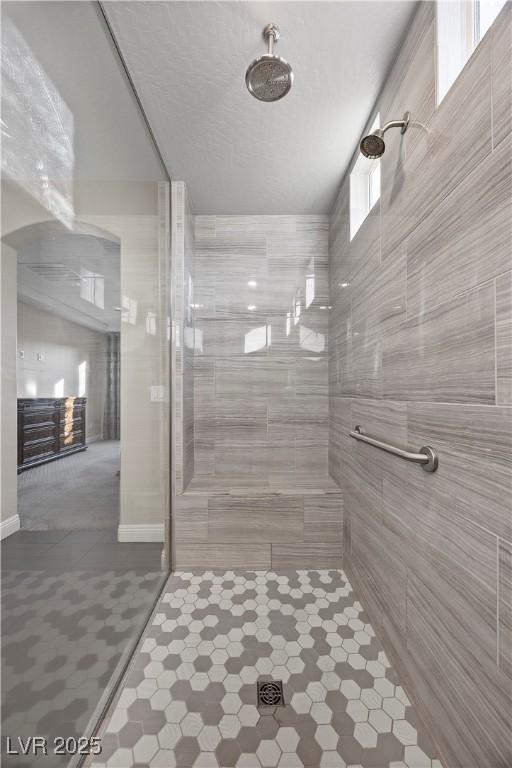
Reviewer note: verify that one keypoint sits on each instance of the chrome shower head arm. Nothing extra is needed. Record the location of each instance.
(403, 124)
(271, 34)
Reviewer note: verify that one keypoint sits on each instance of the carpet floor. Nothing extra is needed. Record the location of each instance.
(77, 492)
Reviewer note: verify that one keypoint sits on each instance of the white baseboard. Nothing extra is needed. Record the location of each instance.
(153, 532)
(9, 526)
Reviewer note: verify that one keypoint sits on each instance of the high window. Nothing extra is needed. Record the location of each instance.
(461, 24)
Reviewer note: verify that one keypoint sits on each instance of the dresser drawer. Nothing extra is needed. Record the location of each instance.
(46, 416)
(39, 432)
(39, 448)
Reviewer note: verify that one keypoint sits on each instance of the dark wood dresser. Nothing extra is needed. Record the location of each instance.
(49, 428)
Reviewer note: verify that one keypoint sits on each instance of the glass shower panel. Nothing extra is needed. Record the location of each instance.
(85, 317)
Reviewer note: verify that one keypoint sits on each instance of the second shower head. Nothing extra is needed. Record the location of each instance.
(373, 146)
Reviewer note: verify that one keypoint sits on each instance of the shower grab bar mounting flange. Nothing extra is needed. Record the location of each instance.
(426, 456)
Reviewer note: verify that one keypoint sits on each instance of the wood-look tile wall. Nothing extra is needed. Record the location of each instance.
(261, 374)
(420, 354)
(260, 494)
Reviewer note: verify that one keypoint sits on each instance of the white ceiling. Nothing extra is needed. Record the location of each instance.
(66, 101)
(237, 155)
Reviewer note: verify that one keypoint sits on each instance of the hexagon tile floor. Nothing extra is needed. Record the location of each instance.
(190, 696)
(63, 636)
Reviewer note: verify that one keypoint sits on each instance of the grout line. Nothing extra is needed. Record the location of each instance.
(486, 530)
(455, 297)
(391, 400)
(406, 281)
(460, 403)
(495, 343)
(498, 602)
(492, 56)
(505, 273)
(445, 195)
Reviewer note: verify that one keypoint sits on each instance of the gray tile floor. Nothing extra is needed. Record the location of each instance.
(56, 551)
(72, 605)
(189, 698)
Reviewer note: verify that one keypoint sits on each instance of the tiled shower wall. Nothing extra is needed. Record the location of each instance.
(420, 354)
(260, 495)
(261, 373)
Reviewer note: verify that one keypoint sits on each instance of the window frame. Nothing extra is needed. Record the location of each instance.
(461, 33)
(363, 194)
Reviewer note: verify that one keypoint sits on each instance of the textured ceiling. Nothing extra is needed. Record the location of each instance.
(238, 155)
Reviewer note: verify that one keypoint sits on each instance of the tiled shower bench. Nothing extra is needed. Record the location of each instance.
(266, 523)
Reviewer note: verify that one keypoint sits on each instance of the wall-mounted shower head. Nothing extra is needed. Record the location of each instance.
(373, 146)
(269, 77)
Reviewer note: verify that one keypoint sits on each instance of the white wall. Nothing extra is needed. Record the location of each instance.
(137, 215)
(145, 352)
(64, 347)
(8, 461)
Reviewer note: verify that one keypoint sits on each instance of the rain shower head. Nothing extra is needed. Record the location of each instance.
(373, 146)
(269, 77)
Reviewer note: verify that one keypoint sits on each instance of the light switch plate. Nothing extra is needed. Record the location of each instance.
(157, 393)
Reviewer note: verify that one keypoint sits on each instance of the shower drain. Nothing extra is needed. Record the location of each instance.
(270, 693)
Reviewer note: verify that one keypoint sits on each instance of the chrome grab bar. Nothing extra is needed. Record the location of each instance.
(427, 456)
